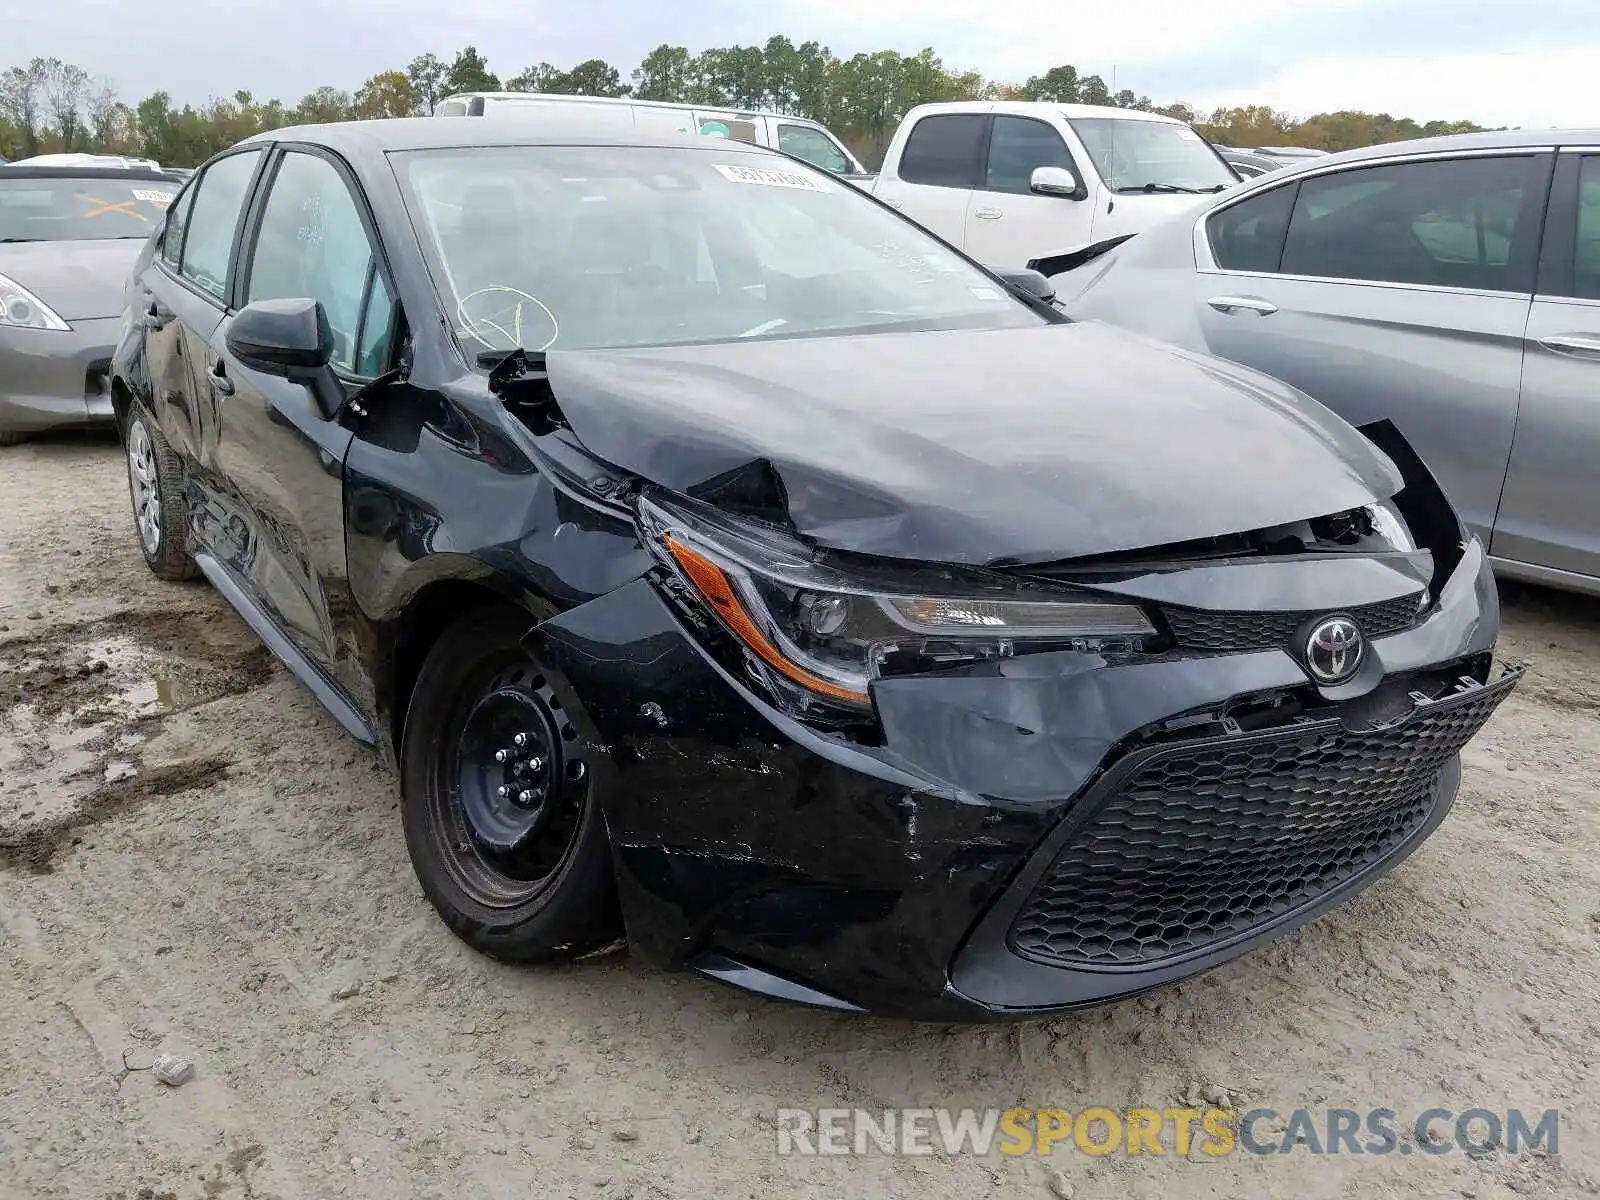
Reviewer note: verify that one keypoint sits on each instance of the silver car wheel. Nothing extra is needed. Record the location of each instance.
(145, 484)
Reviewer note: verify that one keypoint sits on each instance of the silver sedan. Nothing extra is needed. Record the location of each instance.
(68, 239)
(1451, 285)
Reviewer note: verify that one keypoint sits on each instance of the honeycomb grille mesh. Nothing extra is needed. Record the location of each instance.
(1202, 842)
(1201, 629)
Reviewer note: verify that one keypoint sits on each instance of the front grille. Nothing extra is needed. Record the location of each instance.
(1191, 844)
(1235, 632)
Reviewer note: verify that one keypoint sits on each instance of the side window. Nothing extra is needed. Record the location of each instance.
(812, 145)
(214, 218)
(1017, 147)
(177, 222)
(716, 125)
(943, 151)
(1449, 223)
(451, 108)
(1248, 236)
(372, 355)
(312, 244)
(1586, 265)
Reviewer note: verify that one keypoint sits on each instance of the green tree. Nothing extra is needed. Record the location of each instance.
(1093, 90)
(321, 106)
(426, 76)
(469, 72)
(596, 77)
(386, 94)
(663, 75)
(1058, 85)
(22, 101)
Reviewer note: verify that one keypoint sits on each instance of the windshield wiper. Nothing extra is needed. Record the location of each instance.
(6, 241)
(1163, 187)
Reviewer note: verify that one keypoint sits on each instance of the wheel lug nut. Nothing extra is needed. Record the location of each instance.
(502, 791)
(524, 797)
(500, 756)
(536, 763)
(520, 739)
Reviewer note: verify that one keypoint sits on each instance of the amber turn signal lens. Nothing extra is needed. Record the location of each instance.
(712, 582)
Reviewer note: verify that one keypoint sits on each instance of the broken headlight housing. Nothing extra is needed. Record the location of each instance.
(817, 631)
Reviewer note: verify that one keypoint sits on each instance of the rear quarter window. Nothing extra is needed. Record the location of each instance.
(945, 151)
(1249, 236)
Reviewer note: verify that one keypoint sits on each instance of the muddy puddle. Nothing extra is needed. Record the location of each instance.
(77, 704)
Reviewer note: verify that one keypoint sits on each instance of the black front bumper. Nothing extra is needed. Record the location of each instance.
(926, 876)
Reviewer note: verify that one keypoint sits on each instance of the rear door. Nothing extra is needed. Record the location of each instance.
(1399, 290)
(1550, 514)
(282, 455)
(188, 289)
(1008, 226)
(941, 166)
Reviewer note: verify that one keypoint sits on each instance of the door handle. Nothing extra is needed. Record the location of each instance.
(988, 214)
(1234, 304)
(217, 376)
(1572, 343)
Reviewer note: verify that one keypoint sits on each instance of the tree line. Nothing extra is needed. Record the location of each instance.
(50, 105)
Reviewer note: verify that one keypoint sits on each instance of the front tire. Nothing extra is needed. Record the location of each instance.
(498, 802)
(155, 484)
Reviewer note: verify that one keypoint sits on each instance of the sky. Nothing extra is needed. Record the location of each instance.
(1531, 63)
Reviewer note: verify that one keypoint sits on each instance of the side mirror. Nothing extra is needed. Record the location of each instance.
(1031, 282)
(1055, 181)
(291, 339)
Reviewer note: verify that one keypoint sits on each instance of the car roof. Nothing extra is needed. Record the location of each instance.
(634, 101)
(370, 138)
(1034, 108)
(32, 171)
(1500, 139)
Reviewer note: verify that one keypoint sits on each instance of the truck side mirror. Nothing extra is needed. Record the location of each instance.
(1055, 181)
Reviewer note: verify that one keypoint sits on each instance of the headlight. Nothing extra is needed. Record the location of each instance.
(829, 632)
(21, 309)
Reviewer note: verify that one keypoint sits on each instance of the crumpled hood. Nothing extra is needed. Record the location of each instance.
(80, 281)
(976, 446)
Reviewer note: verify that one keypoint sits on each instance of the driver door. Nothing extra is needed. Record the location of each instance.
(283, 457)
(1007, 225)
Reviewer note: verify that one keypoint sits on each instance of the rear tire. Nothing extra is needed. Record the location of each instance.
(155, 483)
(524, 875)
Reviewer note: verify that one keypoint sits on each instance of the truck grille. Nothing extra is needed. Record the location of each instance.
(1192, 844)
(1237, 632)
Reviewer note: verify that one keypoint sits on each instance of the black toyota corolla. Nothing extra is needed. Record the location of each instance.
(732, 566)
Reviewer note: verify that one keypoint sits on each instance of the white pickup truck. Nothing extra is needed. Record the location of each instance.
(1035, 184)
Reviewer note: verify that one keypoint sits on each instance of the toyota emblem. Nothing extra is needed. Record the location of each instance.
(1334, 650)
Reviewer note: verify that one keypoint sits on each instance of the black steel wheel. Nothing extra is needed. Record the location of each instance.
(499, 809)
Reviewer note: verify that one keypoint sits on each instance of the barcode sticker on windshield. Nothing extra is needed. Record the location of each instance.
(766, 177)
(150, 196)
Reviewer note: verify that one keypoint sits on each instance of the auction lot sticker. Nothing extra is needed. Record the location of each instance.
(151, 196)
(765, 177)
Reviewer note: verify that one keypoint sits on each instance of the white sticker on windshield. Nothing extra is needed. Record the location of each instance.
(766, 177)
(985, 293)
(151, 196)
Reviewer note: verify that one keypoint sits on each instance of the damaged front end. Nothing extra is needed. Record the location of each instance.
(963, 791)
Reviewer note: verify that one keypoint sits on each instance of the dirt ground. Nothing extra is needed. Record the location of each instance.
(195, 859)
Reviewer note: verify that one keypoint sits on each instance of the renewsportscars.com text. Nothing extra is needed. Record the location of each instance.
(1217, 1132)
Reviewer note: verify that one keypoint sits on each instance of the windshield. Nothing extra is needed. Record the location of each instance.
(67, 209)
(1134, 155)
(594, 247)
